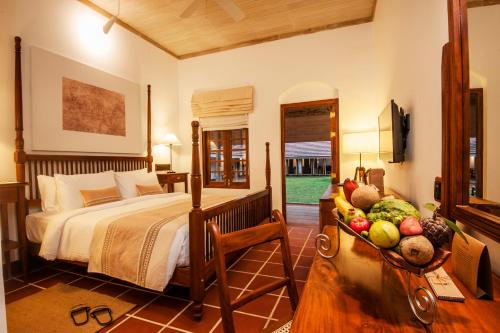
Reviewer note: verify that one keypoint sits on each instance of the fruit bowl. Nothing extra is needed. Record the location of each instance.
(395, 259)
(421, 300)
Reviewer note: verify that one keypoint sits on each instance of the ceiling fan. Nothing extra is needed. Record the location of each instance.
(228, 5)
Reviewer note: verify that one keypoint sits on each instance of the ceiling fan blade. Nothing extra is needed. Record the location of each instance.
(191, 8)
(231, 9)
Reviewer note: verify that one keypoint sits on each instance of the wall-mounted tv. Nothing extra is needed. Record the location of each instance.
(393, 128)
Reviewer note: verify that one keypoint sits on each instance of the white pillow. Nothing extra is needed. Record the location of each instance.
(69, 186)
(127, 181)
(47, 188)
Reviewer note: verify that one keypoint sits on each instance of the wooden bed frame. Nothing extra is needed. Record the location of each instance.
(234, 215)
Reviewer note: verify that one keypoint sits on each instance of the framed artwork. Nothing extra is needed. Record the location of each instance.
(77, 108)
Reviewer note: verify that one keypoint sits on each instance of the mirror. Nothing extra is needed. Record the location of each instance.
(484, 125)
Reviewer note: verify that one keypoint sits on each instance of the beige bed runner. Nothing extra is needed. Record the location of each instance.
(135, 247)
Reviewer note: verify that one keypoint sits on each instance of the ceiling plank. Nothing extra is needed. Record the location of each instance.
(127, 27)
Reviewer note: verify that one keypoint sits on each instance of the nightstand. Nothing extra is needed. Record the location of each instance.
(13, 193)
(169, 179)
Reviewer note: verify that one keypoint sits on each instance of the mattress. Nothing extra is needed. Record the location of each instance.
(67, 235)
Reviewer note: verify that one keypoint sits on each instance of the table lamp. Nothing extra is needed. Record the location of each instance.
(360, 143)
(170, 140)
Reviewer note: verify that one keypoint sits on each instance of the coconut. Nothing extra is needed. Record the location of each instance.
(365, 197)
(417, 250)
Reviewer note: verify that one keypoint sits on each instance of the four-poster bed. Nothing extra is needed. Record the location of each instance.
(232, 215)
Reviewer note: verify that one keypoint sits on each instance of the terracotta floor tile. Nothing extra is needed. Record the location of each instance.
(261, 306)
(248, 266)
(40, 274)
(283, 310)
(305, 261)
(162, 310)
(133, 325)
(137, 297)
(296, 241)
(309, 251)
(257, 255)
(59, 278)
(86, 283)
(266, 247)
(110, 289)
(186, 321)
(245, 324)
(212, 296)
(237, 279)
(300, 287)
(12, 284)
(278, 259)
(301, 273)
(260, 281)
(23, 292)
(273, 270)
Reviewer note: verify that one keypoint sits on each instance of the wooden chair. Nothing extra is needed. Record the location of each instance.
(234, 241)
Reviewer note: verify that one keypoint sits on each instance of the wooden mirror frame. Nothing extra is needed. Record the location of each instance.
(455, 136)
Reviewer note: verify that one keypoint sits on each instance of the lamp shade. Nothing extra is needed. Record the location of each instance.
(361, 142)
(170, 139)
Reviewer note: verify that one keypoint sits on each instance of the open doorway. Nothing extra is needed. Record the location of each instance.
(309, 156)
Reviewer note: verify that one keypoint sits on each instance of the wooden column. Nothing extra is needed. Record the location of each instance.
(196, 230)
(19, 154)
(268, 179)
(150, 154)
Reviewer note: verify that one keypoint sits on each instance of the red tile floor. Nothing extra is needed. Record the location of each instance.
(171, 311)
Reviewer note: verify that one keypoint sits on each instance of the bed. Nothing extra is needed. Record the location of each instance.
(190, 264)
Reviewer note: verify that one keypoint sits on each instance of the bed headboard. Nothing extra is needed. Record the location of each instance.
(29, 166)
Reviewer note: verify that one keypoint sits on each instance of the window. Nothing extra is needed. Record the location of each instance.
(225, 159)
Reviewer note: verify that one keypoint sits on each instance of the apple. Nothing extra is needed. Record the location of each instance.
(349, 187)
(352, 213)
(410, 226)
(359, 224)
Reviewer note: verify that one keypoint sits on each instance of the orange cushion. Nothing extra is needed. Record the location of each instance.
(100, 196)
(149, 189)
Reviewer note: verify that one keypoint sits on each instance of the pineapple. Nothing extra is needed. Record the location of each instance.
(436, 230)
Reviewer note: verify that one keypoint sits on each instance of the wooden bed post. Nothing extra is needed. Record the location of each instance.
(268, 179)
(19, 154)
(150, 155)
(196, 230)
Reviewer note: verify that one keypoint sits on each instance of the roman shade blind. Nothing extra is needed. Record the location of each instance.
(224, 122)
(226, 102)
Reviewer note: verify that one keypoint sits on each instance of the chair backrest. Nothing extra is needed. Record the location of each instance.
(234, 241)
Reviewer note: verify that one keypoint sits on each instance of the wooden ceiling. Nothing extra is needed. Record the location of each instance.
(210, 29)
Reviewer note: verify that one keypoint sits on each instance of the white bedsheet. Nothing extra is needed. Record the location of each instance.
(67, 235)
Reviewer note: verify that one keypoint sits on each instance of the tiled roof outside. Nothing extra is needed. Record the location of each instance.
(308, 149)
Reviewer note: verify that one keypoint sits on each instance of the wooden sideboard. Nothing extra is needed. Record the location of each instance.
(13, 193)
(170, 178)
(359, 292)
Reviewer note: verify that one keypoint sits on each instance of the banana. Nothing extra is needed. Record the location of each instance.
(342, 205)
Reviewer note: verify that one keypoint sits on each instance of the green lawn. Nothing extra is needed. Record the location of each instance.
(305, 189)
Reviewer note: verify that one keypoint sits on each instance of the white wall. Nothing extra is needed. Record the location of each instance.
(484, 61)
(338, 60)
(409, 37)
(73, 30)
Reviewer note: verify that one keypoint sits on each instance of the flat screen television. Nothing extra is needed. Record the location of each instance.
(393, 128)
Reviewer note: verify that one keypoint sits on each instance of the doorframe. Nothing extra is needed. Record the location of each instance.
(334, 141)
